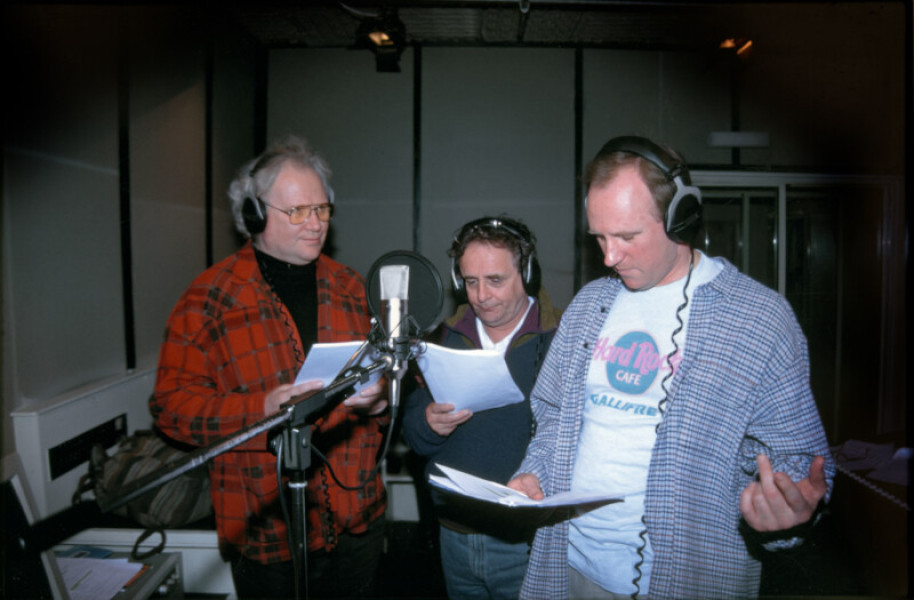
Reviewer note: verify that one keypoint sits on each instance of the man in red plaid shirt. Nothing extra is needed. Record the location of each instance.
(233, 346)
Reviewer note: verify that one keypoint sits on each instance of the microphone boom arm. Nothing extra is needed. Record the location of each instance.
(297, 411)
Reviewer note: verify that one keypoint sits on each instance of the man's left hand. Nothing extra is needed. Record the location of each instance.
(371, 400)
(775, 502)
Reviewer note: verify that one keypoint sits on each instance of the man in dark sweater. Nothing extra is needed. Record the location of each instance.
(484, 551)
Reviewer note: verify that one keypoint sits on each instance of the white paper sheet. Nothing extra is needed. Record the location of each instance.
(96, 578)
(324, 362)
(489, 491)
(472, 379)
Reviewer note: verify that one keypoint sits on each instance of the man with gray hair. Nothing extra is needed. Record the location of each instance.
(233, 346)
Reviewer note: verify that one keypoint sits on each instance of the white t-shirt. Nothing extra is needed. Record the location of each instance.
(622, 396)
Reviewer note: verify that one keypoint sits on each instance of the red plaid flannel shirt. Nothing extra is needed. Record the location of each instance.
(227, 343)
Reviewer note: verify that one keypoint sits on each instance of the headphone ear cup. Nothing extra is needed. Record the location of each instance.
(456, 279)
(255, 215)
(684, 215)
(533, 276)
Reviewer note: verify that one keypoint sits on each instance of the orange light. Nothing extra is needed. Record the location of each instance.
(379, 38)
(740, 45)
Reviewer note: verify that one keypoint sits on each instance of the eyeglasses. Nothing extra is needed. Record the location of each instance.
(300, 214)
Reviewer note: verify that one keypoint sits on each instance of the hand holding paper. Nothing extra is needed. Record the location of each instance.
(489, 491)
(324, 363)
(284, 393)
(326, 360)
(369, 400)
(443, 419)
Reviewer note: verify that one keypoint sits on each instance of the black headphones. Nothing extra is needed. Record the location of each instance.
(253, 210)
(683, 216)
(254, 214)
(529, 267)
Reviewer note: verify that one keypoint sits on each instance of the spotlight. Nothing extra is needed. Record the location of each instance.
(385, 36)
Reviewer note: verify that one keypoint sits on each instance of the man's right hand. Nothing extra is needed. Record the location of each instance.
(528, 484)
(285, 392)
(442, 418)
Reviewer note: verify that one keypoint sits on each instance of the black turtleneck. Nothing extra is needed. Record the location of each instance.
(296, 286)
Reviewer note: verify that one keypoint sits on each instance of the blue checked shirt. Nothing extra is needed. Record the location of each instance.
(742, 389)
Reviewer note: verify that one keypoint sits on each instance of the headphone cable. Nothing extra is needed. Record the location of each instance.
(662, 407)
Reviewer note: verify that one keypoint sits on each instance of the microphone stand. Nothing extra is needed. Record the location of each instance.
(296, 454)
(400, 356)
(298, 413)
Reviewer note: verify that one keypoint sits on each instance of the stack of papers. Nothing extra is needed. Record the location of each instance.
(96, 578)
(481, 489)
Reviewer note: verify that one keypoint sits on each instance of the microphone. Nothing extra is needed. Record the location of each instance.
(406, 296)
(395, 306)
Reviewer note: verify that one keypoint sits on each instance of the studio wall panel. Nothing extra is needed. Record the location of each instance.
(498, 137)
(361, 121)
(233, 117)
(694, 102)
(63, 270)
(672, 98)
(60, 67)
(622, 95)
(167, 169)
(63, 323)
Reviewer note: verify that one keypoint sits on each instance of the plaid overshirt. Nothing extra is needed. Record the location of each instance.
(742, 389)
(229, 341)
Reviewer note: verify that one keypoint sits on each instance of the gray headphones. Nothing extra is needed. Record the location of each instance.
(529, 268)
(683, 216)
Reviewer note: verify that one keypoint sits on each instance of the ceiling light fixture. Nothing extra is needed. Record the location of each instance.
(740, 45)
(385, 36)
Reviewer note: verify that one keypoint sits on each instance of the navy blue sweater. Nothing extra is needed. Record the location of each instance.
(493, 442)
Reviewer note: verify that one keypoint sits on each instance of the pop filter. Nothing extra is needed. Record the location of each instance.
(426, 293)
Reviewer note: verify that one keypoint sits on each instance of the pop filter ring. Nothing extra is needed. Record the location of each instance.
(425, 313)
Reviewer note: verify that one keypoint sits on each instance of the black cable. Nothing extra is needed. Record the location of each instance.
(662, 407)
(637, 580)
(371, 474)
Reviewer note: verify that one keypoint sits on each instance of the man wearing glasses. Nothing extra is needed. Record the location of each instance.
(233, 346)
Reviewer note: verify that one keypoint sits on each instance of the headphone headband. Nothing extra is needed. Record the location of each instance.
(512, 227)
(683, 216)
(648, 150)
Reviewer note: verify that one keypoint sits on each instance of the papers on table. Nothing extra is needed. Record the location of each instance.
(489, 491)
(325, 361)
(472, 379)
(96, 578)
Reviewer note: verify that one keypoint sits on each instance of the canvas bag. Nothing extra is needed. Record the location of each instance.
(178, 502)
